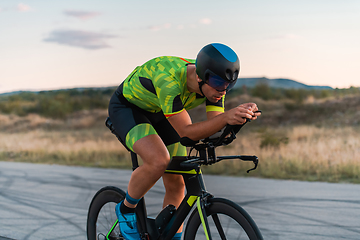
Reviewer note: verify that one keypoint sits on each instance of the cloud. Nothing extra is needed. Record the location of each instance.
(205, 21)
(81, 39)
(21, 7)
(81, 14)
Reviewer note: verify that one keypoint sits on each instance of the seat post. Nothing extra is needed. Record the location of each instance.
(134, 160)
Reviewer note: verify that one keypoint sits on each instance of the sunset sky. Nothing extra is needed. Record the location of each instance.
(91, 43)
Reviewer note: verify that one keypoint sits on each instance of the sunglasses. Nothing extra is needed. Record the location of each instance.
(220, 84)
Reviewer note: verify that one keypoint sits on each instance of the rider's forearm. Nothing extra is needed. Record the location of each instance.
(196, 131)
(200, 130)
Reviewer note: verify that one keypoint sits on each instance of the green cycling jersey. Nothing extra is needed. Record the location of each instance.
(161, 85)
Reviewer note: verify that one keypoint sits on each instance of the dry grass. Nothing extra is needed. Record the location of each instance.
(81, 139)
(80, 147)
(302, 152)
(310, 153)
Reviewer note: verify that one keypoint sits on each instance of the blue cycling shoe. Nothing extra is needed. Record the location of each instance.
(127, 224)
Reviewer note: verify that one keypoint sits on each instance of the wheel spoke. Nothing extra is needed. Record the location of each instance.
(101, 217)
(216, 219)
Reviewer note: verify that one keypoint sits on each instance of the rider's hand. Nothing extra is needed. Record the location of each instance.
(252, 107)
(239, 114)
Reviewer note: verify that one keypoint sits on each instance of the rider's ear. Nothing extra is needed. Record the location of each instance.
(198, 79)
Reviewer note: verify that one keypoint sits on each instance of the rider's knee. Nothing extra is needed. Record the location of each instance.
(163, 163)
(158, 164)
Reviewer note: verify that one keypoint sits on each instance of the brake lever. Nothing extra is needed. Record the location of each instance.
(256, 162)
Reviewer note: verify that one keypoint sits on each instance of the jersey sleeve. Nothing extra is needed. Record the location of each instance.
(216, 107)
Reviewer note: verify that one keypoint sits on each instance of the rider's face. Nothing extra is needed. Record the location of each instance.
(212, 94)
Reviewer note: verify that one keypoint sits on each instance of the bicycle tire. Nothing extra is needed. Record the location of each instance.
(235, 222)
(101, 214)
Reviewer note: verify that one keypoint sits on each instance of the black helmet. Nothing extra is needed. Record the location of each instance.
(218, 65)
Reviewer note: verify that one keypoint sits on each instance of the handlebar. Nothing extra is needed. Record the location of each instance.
(207, 146)
(192, 163)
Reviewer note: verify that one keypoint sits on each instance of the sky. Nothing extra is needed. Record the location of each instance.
(58, 44)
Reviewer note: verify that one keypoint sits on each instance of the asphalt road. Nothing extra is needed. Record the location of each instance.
(51, 202)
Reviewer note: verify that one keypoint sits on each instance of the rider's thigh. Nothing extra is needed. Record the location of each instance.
(152, 151)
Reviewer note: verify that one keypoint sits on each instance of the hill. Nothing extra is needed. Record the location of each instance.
(275, 83)
(248, 82)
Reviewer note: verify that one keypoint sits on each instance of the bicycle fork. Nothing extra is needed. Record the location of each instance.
(200, 204)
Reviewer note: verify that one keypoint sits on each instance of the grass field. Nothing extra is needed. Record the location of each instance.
(310, 152)
(301, 152)
(82, 139)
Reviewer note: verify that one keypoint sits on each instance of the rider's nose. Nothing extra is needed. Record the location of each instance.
(223, 92)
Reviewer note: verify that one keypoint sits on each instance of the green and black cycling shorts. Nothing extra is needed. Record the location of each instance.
(132, 123)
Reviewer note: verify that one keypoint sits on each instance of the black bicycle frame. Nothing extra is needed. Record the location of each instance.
(189, 168)
(195, 188)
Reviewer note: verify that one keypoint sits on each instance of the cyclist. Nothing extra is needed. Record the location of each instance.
(149, 112)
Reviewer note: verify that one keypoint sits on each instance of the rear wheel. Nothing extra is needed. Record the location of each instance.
(101, 215)
(226, 220)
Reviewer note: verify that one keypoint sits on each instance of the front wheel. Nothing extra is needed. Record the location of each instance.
(101, 215)
(226, 219)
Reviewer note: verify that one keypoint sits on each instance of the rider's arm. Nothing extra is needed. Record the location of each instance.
(196, 131)
(212, 114)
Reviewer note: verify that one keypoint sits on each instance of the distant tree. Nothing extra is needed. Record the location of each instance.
(262, 90)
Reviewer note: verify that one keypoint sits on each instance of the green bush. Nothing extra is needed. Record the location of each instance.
(60, 103)
(263, 91)
(55, 104)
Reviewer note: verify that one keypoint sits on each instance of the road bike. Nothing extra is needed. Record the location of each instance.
(210, 217)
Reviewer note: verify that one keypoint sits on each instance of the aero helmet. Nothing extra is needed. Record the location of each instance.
(217, 65)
